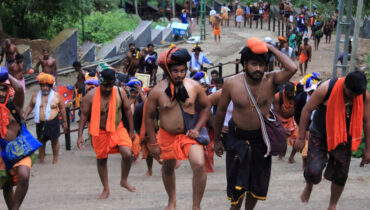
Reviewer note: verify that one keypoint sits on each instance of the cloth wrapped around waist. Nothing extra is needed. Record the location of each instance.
(174, 146)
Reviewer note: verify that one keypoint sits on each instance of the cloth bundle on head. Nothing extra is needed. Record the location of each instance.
(103, 66)
(133, 82)
(171, 57)
(256, 49)
(3, 74)
(44, 78)
(198, 76)
(92, 82)
(310, 81)
(281, 38)
(107, 75)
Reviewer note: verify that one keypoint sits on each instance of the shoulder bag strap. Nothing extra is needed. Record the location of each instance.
(262, 122)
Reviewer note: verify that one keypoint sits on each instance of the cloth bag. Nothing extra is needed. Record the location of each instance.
(273, 131)
(22, 146)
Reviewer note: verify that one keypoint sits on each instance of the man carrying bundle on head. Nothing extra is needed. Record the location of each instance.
(248, 160)
(46, 103)
(16, 142)
(180, 125)
(106, 106)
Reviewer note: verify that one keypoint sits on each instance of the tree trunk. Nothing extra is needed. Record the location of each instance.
(136, 11)
(173, 8)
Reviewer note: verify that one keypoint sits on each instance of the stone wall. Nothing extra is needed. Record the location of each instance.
(156, 36)
(87, 52)
(25, 50)
(64, 47)
(143, 34)
(122, 42)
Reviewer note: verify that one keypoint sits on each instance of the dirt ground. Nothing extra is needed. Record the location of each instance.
(74, 183)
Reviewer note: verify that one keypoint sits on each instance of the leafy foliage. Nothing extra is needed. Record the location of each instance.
(102, 28)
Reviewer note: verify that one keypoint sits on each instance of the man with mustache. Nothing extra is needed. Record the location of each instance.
(105, 106)
(176, 97)
(10, 129)
(249, 175)
(284, 107)
(47, 104)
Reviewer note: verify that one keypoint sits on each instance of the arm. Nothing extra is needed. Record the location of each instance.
(366, 157)
(128, 113)
(276, 103)
(220, 116)
(30, 107)
(38, 65)
(290, 68)
(150, 122)
(205, 59)
(63, 112)
(204, 114)
(19, 93)
(310, 53)
(55, 70)
(215, 97)
(315, 100)
(85, 112)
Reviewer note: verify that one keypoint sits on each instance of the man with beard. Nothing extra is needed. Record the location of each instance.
(47, 104)
(176, 97)
(304, 53)
(105, 106)
(10, 51)
(284, 107)
(10, 129)
(250, 173)
(48, 64)
(342, 110)
(131, 63)
(16, 70)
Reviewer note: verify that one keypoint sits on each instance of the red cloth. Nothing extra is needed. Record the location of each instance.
(336, 130)
(209, 153)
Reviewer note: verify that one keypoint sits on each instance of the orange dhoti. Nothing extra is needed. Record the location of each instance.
(292, 129)
(209, 153)
(217, 31)
(108, 142)
(174, 146)
(136, 148)
(3, 174)
(303, 58)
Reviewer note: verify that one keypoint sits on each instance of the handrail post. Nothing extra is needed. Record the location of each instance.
(261, 21)
(237, 66)
(220, 70)
(68, 135)
(269, 26)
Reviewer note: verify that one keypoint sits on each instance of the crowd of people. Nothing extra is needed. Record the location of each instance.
(188, 114)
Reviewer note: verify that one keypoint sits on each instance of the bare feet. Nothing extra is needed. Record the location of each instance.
(305, 197)
(55, 161)
(104, 194)
(281, 158)
(171, 205)
(149, 173)
(42, 161)
(196, 207)
(291, 160)
(129, 187)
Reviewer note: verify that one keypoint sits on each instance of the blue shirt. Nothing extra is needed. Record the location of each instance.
(184, 18)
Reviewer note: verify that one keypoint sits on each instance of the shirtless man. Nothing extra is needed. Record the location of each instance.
(217, 28)
(22, 169)
(304, 53)
(108, 134)
(47, 104)
(172, 130)
(341, 115)
(48, 64)
(245, 123)
(10, 51)
(132, 60)
(16, 70)
(80, 83)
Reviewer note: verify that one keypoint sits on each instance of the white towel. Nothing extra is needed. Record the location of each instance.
(38, 103)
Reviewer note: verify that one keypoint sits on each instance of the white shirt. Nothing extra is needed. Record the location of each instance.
(288, 52)
(212, 12)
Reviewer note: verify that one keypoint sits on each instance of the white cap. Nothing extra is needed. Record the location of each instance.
(268, 39)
